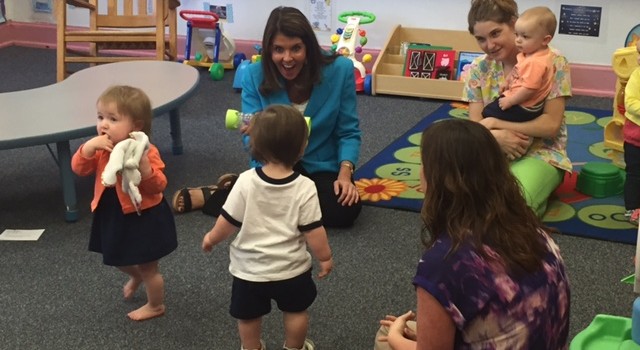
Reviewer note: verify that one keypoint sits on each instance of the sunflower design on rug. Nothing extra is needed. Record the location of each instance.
(375, 190)
(391, 179)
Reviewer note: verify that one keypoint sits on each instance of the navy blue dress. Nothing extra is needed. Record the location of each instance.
(131, 239)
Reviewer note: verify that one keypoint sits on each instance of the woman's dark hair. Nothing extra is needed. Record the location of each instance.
(472, 196)
(278, 135)
(499, 11)
(292, 23)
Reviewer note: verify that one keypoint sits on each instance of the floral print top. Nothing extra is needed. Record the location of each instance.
(482, 79)
(492, 309)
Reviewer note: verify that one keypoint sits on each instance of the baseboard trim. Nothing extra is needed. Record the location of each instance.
(43, 35)
(586, 79)
(593, 80)
(40, 35)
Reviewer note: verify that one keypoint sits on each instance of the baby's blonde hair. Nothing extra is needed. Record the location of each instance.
(132, 102)
(543, 17)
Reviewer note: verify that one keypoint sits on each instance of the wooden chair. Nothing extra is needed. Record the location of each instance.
(126, 26)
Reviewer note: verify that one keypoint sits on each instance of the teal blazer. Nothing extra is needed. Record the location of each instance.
(335, 131)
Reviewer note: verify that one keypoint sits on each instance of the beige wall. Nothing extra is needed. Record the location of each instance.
(618, 17)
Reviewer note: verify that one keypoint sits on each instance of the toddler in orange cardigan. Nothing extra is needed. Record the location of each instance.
(132, 242)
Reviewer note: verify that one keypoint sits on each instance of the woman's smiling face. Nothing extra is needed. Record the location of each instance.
(497, 40)
(289, 55)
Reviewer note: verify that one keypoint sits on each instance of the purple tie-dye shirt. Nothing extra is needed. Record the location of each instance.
(492, 309)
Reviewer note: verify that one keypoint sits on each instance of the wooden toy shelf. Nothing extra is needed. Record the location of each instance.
(387, 73)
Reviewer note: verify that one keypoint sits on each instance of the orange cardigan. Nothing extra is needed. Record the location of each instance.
(150, 187)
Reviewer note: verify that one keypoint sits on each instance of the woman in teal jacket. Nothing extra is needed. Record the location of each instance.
(296, 71)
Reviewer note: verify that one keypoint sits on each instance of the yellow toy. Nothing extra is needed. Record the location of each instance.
(624, 62)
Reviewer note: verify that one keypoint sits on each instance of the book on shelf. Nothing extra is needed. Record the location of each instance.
(464, 59)
(429, 62)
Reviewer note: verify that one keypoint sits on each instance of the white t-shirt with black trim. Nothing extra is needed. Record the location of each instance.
(271, 215)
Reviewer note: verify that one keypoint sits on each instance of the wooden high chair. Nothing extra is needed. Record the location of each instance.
(117, 27)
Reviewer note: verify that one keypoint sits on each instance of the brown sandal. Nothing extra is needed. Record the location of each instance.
(227, 181)
(186, 197)
(213, 204)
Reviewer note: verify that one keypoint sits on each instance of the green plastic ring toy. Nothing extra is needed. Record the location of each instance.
(216, 71)
(366, 17)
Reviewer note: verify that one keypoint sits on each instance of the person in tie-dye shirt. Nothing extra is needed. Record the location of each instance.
(540, 168)
(491, 276)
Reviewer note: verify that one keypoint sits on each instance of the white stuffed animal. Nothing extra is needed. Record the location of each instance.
(125, 159)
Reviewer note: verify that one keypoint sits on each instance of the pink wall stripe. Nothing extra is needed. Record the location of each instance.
(587, 80)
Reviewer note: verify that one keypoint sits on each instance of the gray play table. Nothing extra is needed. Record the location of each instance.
(66, 110)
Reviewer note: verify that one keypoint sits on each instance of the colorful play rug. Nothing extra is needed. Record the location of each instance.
(390, 179)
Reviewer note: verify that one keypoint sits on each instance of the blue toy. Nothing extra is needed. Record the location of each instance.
(237, 79)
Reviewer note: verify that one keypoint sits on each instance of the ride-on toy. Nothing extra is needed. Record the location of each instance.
(215, 52)
(344, 42)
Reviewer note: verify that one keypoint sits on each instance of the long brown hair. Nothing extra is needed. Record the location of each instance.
(499, 11)
(290, 22)
(472, 197)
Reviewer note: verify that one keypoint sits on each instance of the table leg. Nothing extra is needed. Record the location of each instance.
(68, 183)
(176, 133)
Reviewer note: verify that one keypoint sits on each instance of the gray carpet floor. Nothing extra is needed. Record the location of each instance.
(54, 294)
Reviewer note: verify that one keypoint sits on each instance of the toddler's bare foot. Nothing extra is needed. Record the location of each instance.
(146, 312)
(130, 287)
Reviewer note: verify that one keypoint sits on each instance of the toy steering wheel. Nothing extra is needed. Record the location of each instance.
(200, 19)
(365, 17)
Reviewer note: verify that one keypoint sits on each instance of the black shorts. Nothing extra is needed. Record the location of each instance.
(251, 300)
